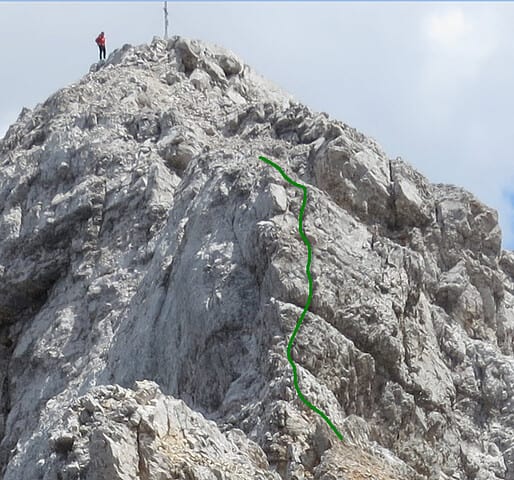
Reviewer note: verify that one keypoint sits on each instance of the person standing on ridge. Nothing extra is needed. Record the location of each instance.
(100, 41)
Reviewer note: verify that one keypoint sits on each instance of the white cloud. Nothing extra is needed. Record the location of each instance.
(458, 45)
(448, 29)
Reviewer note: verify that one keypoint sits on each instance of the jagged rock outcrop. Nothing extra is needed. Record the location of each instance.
(116, 433)
(151, 275)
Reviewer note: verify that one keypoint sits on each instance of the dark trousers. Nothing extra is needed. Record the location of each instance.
(102, 51)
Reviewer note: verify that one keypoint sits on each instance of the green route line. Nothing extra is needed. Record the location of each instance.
(309, 299)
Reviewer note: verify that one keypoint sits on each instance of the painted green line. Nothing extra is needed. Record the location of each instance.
(309, 299)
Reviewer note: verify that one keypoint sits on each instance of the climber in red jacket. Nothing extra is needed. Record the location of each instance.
(100, 41)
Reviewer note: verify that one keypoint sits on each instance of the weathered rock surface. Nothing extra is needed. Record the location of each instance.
(151, 274)
(122, 434)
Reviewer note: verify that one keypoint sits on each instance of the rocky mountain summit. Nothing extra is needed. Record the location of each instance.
(151, 274)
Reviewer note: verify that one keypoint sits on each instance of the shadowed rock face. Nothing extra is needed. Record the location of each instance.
(151, 274)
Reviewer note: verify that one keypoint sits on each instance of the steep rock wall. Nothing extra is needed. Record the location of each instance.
(141, 240)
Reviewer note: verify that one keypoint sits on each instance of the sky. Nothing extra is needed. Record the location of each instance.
(432, 82)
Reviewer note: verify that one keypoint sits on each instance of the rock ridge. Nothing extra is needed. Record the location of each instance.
(151, 275)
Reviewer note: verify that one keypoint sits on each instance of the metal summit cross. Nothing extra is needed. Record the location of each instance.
(166, 23)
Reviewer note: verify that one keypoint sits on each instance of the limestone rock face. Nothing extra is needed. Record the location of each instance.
(151, 274)
(116, 433)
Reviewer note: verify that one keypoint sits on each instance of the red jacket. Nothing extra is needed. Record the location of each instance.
(100, 40)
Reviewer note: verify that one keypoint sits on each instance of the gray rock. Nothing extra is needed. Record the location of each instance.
(151, 274)
(200, 79)
(412, 196)
(188, 52)
(229, 63)
(355, 177)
